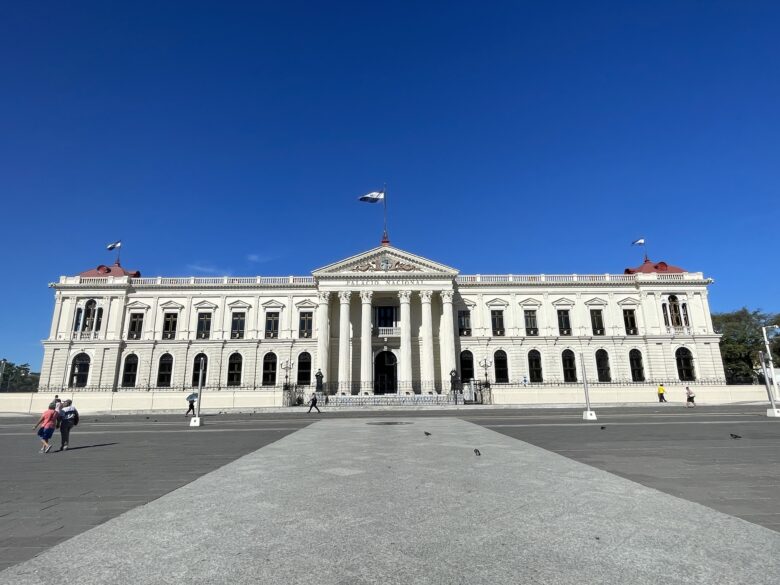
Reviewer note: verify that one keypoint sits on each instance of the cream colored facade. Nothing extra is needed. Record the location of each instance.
(383, 321)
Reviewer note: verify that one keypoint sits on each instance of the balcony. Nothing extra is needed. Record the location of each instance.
(85, 335)
(387, 332)
(678, 330)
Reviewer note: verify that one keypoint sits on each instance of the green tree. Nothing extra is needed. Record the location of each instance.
(18, 378)
(741, 342)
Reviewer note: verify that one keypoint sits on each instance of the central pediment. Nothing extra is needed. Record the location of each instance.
(386, 261)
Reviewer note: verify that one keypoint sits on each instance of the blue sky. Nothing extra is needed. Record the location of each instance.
(514, 137)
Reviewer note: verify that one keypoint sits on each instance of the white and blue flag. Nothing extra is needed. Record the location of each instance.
(114, 245)
(373, 197)
(639, 242)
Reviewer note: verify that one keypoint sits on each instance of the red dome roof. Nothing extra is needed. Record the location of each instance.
(648, 266)
(115, 270)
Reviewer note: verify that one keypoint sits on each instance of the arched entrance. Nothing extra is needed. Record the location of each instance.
(385, 373)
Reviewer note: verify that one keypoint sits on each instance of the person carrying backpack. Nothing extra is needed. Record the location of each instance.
(69, 418)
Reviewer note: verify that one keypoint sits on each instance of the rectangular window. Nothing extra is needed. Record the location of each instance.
(385, 316)
(597, 321)
(204, 325)
(564, 324)
(305, 324)
(136, 326)
(237, 326)
(169, 325)
(629, 319)
(531, 326)
(464, 323)
(271, 325)
(497, 319)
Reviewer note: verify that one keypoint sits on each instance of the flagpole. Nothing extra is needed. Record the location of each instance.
(385, 239)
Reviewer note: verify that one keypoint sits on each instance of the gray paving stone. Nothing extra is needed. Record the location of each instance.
(405, 508)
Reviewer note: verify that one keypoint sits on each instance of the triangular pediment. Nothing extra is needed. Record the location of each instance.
(239, 304)
(497, 303)
(138, 306)
(530, 302)
(386, 260)
(305, 304)
(171, 306)
(272, 304)
(628, 301)
(563, 302)
(205, 306)
(596, 302)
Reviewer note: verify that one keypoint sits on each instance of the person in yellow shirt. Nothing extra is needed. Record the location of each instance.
(661, 392)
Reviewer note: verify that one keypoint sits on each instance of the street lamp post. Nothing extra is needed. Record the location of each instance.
(769, 357)
(287, 366)
(3, 362)
(486, 363)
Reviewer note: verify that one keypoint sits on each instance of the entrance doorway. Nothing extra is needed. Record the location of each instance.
(385, 373)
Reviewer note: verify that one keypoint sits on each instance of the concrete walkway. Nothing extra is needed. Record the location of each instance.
(364, 501)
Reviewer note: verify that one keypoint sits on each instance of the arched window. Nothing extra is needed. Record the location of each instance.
(269, 370)
(90, 311)
(602, 366)
(79, 371)
(637, 369)
(304, 369)
(165, 371)
(466, 366)
(196, 364)
(130, 371)
(501, 367)
(569, 366)
(685, 365)
(235, 363)
(535, 366)
(674, 311)
(77, 321)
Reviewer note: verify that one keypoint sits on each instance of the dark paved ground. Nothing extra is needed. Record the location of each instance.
(118, 463)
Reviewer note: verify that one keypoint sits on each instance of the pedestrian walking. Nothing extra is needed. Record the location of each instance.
(69, 418)
(191, 409)
(690, 396)
(313, 402)
(661, 392)
(47, 422)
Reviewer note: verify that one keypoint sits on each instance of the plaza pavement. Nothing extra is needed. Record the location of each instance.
(357, 500)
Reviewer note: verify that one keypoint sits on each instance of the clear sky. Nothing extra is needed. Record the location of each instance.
(514, 137)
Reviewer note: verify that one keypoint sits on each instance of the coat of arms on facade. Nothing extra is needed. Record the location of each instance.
(385, 264)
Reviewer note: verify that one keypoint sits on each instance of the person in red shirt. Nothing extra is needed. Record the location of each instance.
(47, 422)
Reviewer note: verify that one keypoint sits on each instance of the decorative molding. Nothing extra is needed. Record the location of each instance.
(563, 302)
(366, 296)
(306, 304)
(596, 302)
(272, 304)
(238, 304)
(529, 302)
(628, 301)
(497, 303)
(425, 296)
(405, 296)
(382, 260)
(205, 305)
(323, 298)
(446, 296)
(171, 306)
(137, 306)
(345, 296)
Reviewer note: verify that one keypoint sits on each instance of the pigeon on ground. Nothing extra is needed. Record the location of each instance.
(733, 436)
(477, 453)
(602, 428)
(427, 434)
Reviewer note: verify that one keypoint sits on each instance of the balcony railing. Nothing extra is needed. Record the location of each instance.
(85, 334)
(387, 331)
(679, 330)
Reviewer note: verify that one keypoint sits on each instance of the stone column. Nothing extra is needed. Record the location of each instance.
(426, 359)
(366, 361)
(323, 334)
(344, 369)
(447, 340)
(405, 367)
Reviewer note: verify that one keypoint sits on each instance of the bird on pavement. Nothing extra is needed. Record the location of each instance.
(427, 434)
(733, 436)
(602, 428)
(477, 453)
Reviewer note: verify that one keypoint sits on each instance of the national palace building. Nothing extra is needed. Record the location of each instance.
(381, 322)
